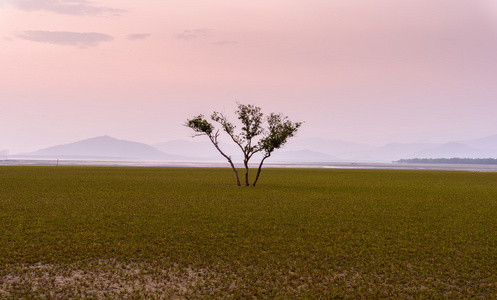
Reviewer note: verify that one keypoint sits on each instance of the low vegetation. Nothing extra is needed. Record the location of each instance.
(454, 160)
(162, 233)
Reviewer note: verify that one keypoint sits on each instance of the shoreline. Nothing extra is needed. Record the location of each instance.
(219, 164)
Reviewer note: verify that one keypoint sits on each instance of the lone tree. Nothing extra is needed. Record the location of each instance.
(257, 134)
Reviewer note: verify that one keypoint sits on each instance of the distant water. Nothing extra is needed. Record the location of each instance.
(218, 164)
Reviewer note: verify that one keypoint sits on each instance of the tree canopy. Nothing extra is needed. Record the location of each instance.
(257, 134)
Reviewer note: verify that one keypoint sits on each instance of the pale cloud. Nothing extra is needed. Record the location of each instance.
(65, 7)
(193, 34)
(225, 43)
(138, 36)
(79, 39)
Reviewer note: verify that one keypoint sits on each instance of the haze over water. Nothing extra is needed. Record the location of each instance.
(220, 164)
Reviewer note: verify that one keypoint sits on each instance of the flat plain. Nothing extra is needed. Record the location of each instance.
(174, 233)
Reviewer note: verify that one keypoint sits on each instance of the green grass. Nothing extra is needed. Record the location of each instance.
(109, 232)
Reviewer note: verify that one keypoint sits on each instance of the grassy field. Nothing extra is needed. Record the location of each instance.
(167, 233)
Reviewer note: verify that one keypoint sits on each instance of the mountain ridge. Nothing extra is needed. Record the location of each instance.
(298, 150)
(103, 147)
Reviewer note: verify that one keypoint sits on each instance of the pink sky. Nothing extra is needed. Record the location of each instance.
(365, 71)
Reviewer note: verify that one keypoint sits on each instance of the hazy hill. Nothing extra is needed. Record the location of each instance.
(301, 156)
(330, 147)
(297, 150)
(319, 149)
(197, 149)
(204, 150)
(104, 147)
(343, 150)
(489, 143)
(450, 150)
(394, 151)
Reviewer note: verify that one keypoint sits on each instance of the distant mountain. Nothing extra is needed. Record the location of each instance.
(297, 150)
(301, 156)
(323, 150)
(451, 150)
(204, 150)
(348, 151)
(342, 150)
(104, 147)
(394, 151)
(330, 147)
(489, 142)
(197, 149)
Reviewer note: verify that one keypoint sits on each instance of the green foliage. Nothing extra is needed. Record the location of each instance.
(251, 118)
(106, 233)
(275, 133)
(227, 126)
(280, 129)
(200, 125)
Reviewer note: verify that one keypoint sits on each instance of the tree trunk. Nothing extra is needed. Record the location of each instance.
(245, 162)
(213, 140)
(259, 170)
(234, 170)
